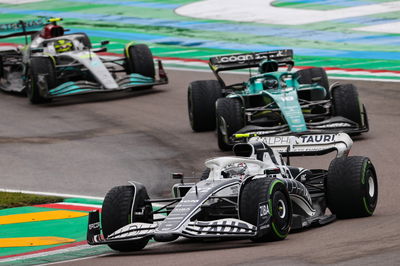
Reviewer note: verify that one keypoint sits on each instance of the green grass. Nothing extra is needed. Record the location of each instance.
(11, 199)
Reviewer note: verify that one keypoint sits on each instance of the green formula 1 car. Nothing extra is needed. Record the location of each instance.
(272, 101)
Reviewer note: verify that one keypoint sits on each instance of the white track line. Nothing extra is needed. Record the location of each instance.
(79, 204)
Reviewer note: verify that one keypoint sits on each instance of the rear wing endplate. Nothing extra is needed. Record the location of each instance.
(248, 60)
(307, 145)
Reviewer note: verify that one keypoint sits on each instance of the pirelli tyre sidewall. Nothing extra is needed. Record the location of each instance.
(117, 211)
(273, 191)
(352, 187)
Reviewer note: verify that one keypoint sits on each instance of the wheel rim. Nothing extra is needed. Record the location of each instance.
(371, 192)
(281, 209)
(371, 185)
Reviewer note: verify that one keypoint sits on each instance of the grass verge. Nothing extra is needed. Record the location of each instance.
(15, 199)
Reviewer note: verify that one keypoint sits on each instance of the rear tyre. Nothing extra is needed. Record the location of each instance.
(346, 103)
(275, 193)
(306, 76)
(139, 59)
(117, 212)
(230, 119)
(42, 73)
(352, 187)
(202, 95)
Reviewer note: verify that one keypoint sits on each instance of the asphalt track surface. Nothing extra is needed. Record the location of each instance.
(86, 145)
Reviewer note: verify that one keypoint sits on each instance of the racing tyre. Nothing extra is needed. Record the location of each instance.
(139, 59)
(273, 191)
(347, 104)
(306, 76)
(352, 187)
(202, 95)
(117, 212)
(230, 119)
(365, 117)
(42, 73)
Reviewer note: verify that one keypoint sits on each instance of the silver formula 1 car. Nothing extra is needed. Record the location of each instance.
(56, 64)
(254, 195)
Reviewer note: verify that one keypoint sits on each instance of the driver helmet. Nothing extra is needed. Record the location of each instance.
(235, 170)
(270, 84)
(63, 45)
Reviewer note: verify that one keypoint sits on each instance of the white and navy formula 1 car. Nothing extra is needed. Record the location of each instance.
(56, 64)
(254, 195)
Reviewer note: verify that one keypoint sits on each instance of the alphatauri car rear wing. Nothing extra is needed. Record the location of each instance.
(303, 145)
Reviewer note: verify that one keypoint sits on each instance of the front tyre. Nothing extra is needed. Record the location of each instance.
(311, 76)
(347, 104)
(42, 74)
(202, 95)
(352, 187)
(139, 59)
(117, 211)
(273, 191)
(230, 119)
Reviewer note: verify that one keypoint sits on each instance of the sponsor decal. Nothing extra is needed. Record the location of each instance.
(240, 58)
(190, 201)
(264, 211)
(291, 140)
(263, 216)
(18, 26)
(94, 226)
(287, 98)
(318, 138)
(182, 209)
(279, 140)
(199, 190)
(334, 125)
(243, 58)
(260, 133)
(223, 226)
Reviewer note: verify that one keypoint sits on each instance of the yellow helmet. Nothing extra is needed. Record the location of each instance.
(63, 45)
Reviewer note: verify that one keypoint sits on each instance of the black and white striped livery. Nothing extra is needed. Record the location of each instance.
(254, 195)
(222, 227)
